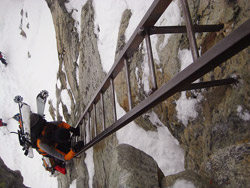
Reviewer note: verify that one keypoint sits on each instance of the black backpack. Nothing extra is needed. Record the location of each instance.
(37, 124)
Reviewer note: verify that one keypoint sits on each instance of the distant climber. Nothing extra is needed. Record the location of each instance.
(2, 59)
(2, 123)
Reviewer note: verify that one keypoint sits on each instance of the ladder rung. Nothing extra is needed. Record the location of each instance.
(128, 83)
(113, 98)
(95, 121)
(209, 84)
(89, 126)
(103, 113)
(83, 126)
(151, 61)
(190, 30)
(80, 129)
(182, 29)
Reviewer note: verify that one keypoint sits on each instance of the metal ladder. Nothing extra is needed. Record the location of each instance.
(223, 50)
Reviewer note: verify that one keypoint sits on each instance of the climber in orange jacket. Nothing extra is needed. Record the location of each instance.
(53, 138)
(55, 141)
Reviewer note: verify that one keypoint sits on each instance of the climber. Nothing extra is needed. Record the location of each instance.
(2, 59)
(2, 123)
(53, 138)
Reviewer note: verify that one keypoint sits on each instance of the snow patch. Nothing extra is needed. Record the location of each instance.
(89, 161)
(107, 22)
(183, 183)
(146, 74)
(244, 115)
(185, 57)
(58, 84)
(75, 7)
(60, 109)
(67, 81)
(171, 17)
(66, 99)
(73, 184)
(186, 108)
(77, 70)
(138, 9)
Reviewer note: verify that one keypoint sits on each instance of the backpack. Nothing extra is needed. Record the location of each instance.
(37, 124)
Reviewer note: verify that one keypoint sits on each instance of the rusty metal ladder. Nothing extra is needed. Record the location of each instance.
(223, 50)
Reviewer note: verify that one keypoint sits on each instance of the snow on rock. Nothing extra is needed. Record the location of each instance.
(66, 99)
(75, 7)
(244, 115)
(186, 107)
(171, 17)
(138, 9)
(160, 145)
(146, 74)
(90, 165)
(183, 183)
(73, 184)
(107, 21)
(58, 84)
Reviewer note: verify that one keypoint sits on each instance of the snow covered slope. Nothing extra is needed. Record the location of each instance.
(32, 67)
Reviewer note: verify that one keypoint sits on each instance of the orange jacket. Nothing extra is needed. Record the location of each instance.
(45, 149)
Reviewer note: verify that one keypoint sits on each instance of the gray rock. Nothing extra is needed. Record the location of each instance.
(133, 168)
(68, 52)
(189, 176)
(230, 166)
(10, 178)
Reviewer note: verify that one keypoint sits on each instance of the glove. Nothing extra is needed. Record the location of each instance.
(78, 146)
(75, 131)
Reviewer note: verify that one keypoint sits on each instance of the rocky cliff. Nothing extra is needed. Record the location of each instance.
(216, 140)
(10, 178)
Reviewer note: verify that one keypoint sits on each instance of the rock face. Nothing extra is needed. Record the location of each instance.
(9, 178)
(216, 140)
(230, 165)
(188, 176)
(133, 168)
(68, 52)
